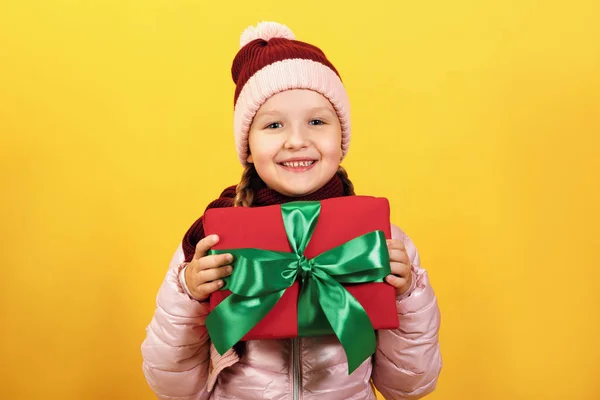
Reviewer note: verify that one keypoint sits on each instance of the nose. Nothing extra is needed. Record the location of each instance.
(297, 138)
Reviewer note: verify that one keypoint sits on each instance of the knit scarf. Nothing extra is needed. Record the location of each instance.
(263, 197)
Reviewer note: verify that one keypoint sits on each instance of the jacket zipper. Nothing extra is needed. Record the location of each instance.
(296, 368)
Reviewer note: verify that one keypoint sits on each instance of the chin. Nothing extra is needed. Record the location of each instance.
(297, 191)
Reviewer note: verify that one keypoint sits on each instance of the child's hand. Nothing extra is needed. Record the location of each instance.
(400, 265)
(203, 274)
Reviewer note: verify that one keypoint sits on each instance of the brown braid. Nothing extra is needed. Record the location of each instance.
(244, 192)
(348, 186)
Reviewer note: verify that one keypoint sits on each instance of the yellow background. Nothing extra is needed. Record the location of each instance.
(479, 120)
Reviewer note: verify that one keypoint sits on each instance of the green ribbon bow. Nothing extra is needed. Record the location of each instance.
(260, 277)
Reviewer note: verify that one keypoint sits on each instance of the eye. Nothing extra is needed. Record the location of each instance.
(274, 125)
(316, 122)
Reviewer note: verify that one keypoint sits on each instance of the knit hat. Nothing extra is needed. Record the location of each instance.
(270, 61)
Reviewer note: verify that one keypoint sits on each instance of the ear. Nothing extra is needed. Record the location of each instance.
(250, 160)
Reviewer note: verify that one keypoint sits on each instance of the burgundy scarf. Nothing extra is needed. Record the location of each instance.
(263, 197)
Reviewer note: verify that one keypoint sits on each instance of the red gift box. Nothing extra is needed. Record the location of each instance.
(340, 220)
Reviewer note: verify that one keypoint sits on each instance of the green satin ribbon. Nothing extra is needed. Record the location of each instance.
(260, 277)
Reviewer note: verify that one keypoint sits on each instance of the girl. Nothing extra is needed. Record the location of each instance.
(292, 130)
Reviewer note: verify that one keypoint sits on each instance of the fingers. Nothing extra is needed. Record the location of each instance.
(399, 255)
(203, 282)
(204, 245)
(399, 269)
(400, 278)
(202, 261)
(204, 273)
(396, 281)
(213, 274)
(205, 290)
(395, 244)
(214, 261)
(399, 265)
(397, 251)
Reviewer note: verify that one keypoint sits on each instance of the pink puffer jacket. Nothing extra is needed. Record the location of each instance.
(180, 362)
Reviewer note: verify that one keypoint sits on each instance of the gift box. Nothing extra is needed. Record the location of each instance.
(304, 269)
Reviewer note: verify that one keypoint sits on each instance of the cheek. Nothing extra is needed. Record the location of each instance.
(264, 158)
(332, 148)
(263, 151)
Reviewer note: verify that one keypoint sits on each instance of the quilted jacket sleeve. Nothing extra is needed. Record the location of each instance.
(408, 360)
(176, 350)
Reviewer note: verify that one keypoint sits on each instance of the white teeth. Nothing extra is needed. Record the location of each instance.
(295, 164)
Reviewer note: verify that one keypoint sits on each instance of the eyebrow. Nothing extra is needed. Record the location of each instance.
(322, 108)
(267, 113)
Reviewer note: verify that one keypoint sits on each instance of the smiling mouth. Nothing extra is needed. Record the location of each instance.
(298, 166)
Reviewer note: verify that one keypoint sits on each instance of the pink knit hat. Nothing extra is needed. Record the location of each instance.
(270, 61)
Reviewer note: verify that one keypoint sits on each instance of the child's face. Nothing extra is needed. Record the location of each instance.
(295, 142)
